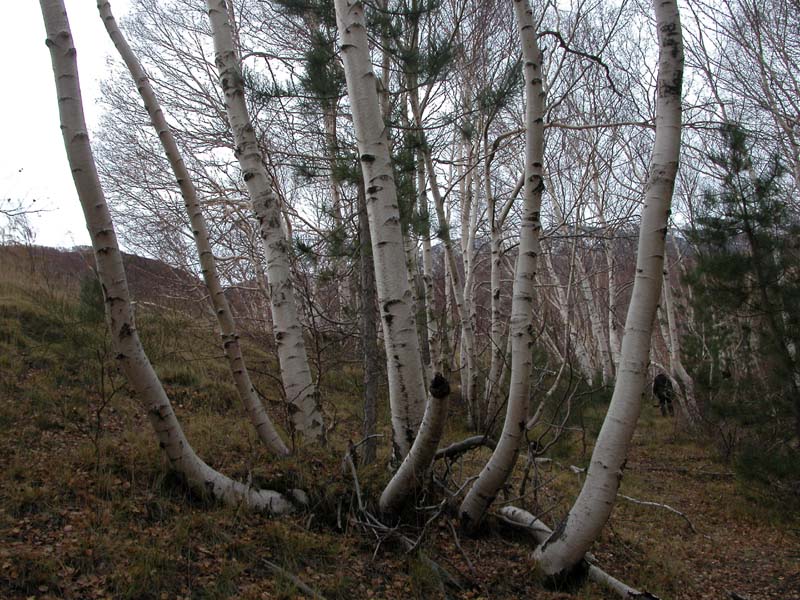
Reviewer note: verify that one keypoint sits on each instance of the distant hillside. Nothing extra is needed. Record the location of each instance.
(149, 280)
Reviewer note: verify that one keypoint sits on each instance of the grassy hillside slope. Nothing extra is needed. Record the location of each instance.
(89, 510)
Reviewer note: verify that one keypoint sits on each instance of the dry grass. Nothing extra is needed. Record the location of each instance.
(89, 510)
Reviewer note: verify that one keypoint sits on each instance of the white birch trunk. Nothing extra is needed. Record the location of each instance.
(411, 474)
(412, 240)
(295, 373)
(407, 393)
(572, 538)
(470, 304)
(496, 472)
(230, 338)
(119, 313)
(493, 383)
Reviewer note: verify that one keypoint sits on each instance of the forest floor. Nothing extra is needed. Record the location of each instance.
(88, 508)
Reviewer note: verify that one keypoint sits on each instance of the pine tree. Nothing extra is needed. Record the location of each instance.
(746, 265)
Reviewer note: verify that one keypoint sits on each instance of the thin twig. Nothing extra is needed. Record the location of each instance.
(660, 505)
(567, 48)
(348, 460)
(456, 449)
(461, 549)
(365, 440)
(431, 519)
(296, 581)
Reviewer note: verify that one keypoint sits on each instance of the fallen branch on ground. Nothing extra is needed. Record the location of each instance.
(381, 531)
(682, 470)
(522, 519)
(660, 505)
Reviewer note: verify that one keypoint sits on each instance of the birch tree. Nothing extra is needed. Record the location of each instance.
(124, 336)
(411, 474)
(230, 338)
(503, 459)
(407, 393)
(300, 391)
(572, 538)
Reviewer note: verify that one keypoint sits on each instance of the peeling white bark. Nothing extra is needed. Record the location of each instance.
(572, 538)
(498, 468)
(295, 373)
(407, 393)
(124, 337)
(208, 265)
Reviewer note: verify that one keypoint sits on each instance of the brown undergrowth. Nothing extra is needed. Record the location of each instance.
(89, 510)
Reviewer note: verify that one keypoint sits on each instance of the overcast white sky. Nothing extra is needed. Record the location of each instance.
(32, 160)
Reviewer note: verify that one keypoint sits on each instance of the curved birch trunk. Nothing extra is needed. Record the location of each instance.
(572, 538)
(295, 373)
(230, 338)
(411, 474)
(119, 314)
(496, 472)
(407, 393)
